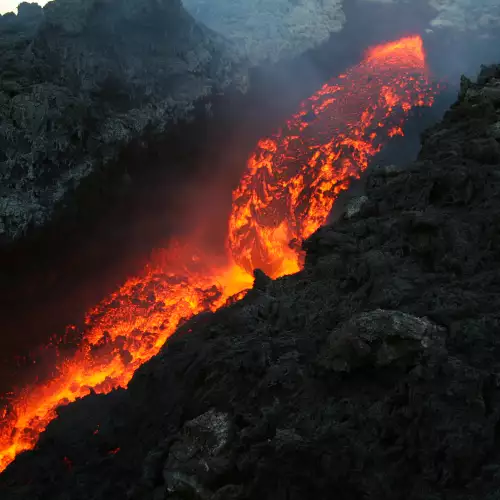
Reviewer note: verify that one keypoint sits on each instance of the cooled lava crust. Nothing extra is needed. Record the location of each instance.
(371, 373)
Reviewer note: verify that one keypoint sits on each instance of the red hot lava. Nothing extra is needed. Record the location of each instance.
(286, 193)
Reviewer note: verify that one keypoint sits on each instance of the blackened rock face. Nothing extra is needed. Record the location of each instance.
(378, 360)
(97, 75)
(101, 74)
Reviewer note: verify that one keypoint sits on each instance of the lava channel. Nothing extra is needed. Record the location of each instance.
(286, 193)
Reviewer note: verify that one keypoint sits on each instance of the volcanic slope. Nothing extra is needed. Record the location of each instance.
(372, 373)
(286, 194)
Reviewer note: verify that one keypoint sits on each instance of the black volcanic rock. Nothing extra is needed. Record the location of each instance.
(80, 79)
(372, 373)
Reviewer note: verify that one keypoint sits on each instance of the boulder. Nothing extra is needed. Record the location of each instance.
(379, 339)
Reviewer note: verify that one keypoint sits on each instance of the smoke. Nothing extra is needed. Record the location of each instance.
(453, 54)
(459, 34)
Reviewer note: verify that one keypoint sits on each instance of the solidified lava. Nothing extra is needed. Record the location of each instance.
(286, 193)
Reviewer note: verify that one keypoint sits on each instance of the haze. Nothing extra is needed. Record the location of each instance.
(11, 5)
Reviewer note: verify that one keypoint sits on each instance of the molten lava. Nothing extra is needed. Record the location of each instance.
(293, 178)
(286, 193)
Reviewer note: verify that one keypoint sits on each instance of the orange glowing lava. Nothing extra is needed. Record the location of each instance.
(286, 193)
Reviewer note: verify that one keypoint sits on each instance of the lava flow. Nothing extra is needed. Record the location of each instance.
(286, 193)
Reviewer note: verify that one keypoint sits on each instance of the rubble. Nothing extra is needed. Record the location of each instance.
(354, 206)
(372, 373)
(78, 82)
(81, 80)
(271, 31)
(78, 85)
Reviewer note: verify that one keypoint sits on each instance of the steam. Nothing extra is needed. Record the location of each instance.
(459, 34)
(466, 15)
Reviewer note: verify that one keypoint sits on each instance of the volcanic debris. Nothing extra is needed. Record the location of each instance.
(372, 373)
(82, 79)
(79, 80)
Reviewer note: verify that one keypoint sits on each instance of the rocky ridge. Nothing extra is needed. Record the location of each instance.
(372, 373)
(466, 15)
(81, 79)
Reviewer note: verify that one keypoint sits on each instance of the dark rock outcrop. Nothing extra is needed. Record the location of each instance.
(372, 373)
(79, 80)
(82, 79)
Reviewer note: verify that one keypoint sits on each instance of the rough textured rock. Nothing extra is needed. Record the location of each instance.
(354, 206)
(272, 30)
(372, 373)
(80, 79)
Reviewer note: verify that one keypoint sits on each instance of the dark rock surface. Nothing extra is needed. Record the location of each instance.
(373, 373)
(81, 79)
